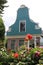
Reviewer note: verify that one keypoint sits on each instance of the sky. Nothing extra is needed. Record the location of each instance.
(35, 11)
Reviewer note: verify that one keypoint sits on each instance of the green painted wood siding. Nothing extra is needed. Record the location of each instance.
(23, 14)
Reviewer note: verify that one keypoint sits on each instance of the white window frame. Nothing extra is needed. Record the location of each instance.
(25, 25)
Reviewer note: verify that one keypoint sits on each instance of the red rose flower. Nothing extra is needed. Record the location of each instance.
(26, 39)
(16, 55)
(29, 36)
(37, 53)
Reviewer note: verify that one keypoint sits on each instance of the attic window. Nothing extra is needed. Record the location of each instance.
(22, 26)
(37, 27)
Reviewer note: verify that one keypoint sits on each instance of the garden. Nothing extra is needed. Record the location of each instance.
(23, 56)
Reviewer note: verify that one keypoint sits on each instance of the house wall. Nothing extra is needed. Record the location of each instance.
(9, 44)
(38, 41)
(17, 42)
(31, 27)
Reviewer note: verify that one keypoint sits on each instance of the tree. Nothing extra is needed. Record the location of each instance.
(2, 31)
(2, 5)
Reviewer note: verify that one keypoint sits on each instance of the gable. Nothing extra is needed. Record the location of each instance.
(28, 25)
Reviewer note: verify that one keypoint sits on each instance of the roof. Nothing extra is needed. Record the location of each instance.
(22, 14)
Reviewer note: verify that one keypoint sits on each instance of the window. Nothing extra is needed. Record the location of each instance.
(21, 42)
(37, 27)
(22, 26)
(12, 44)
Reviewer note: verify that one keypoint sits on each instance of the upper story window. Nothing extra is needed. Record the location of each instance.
(37, 27)
(22, 26)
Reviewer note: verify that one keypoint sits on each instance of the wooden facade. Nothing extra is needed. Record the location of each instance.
(22, 26)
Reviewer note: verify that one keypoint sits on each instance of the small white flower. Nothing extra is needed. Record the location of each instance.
(2, 49)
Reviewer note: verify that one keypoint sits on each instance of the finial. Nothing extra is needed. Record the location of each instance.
(22, 6)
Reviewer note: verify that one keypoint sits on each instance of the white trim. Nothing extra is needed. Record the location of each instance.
(16, 36)
(22, 36)
(28, 44)
(35, 41)
(25, 24)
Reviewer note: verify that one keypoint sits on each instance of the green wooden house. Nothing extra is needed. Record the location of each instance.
(22, 26)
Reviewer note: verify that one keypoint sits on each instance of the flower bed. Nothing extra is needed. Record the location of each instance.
(24, 56)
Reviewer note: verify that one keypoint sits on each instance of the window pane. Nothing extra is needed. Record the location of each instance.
(22, 26)
(21, 42)
(12, 44)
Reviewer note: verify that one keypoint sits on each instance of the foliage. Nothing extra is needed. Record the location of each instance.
(2, 5)
(22, 57)
(2, 31)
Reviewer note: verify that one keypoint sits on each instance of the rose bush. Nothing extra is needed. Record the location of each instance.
(24, 56)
